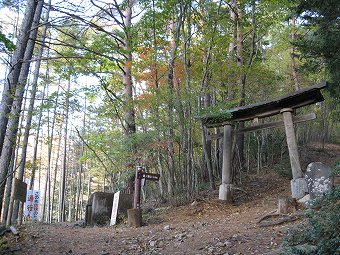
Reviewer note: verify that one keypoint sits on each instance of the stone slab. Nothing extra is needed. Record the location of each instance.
(88, 216)
(319, 179)
(101, 208)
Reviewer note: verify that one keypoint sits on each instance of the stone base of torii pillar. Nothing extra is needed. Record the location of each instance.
(298, 184)
(225, 192)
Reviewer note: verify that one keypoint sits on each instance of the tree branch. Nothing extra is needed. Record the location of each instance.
(91, 149)
(90, 23)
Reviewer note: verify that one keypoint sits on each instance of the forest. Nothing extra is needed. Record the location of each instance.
(92, 89)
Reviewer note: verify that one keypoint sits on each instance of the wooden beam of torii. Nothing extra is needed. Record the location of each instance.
(284, 105)
(279, 123)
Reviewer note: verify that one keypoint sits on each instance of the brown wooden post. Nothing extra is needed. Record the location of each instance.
(225, 191)
(283, 205)
(298, 184)
(135, 217)
(135, 214)
(138, 181)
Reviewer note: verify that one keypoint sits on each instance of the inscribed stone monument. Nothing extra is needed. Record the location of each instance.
(319, 179)
(101, 208)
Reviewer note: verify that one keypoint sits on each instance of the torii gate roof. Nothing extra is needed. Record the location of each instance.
(272, 107)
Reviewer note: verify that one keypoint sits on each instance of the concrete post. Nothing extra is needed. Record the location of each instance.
(225, 191)
(298, 184)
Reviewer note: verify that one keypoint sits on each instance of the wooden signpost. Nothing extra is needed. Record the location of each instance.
(148, 176)
(138, 183)
(135, 214)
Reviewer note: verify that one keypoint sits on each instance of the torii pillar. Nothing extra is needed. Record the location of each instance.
(225, 191)
(298, 183)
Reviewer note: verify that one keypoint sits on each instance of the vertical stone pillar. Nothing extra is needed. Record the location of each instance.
(225, 191)
(298, 184)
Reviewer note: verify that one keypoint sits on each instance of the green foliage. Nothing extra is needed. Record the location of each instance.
(320, 43)
(123, 179)
(217, 113)
(322, 234)
(283, 168)
(6, 43)
(3, 245)
(336, 167)
(9, 3)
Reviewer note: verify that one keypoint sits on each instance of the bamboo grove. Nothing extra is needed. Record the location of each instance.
(91, 89)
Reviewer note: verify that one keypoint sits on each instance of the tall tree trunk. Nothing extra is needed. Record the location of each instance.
(187, 113)
(50, 138)
(8, 93)
(183, 136)
(127, 79)
(89, 187)
(294, 77)
(80, 172)
(9, 190)
(241, 78)
(12, 127)
(13, 168)
(230, 94)
(40, 159)
(157, 123)
(79, 184)
(207, 144)
(62, 193)
(17, 208)
(70, 204)
(82, 193)
(55, 176)
(170, 80)
(36, 141)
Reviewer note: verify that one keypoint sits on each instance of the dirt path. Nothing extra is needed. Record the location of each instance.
(205, 227)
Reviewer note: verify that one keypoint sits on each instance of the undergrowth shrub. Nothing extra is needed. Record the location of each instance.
(283, 168)
(321, 235)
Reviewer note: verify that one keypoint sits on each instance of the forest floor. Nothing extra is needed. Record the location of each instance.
(203, 226)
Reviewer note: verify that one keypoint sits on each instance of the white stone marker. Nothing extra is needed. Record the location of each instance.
(319, 179)
(114, 213)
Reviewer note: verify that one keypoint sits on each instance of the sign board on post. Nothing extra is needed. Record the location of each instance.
(148, 176)
(20, 189)
(135, 214)
(32, 205)
(140, 179)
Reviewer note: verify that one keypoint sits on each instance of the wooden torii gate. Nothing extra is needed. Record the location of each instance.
(284, 105)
